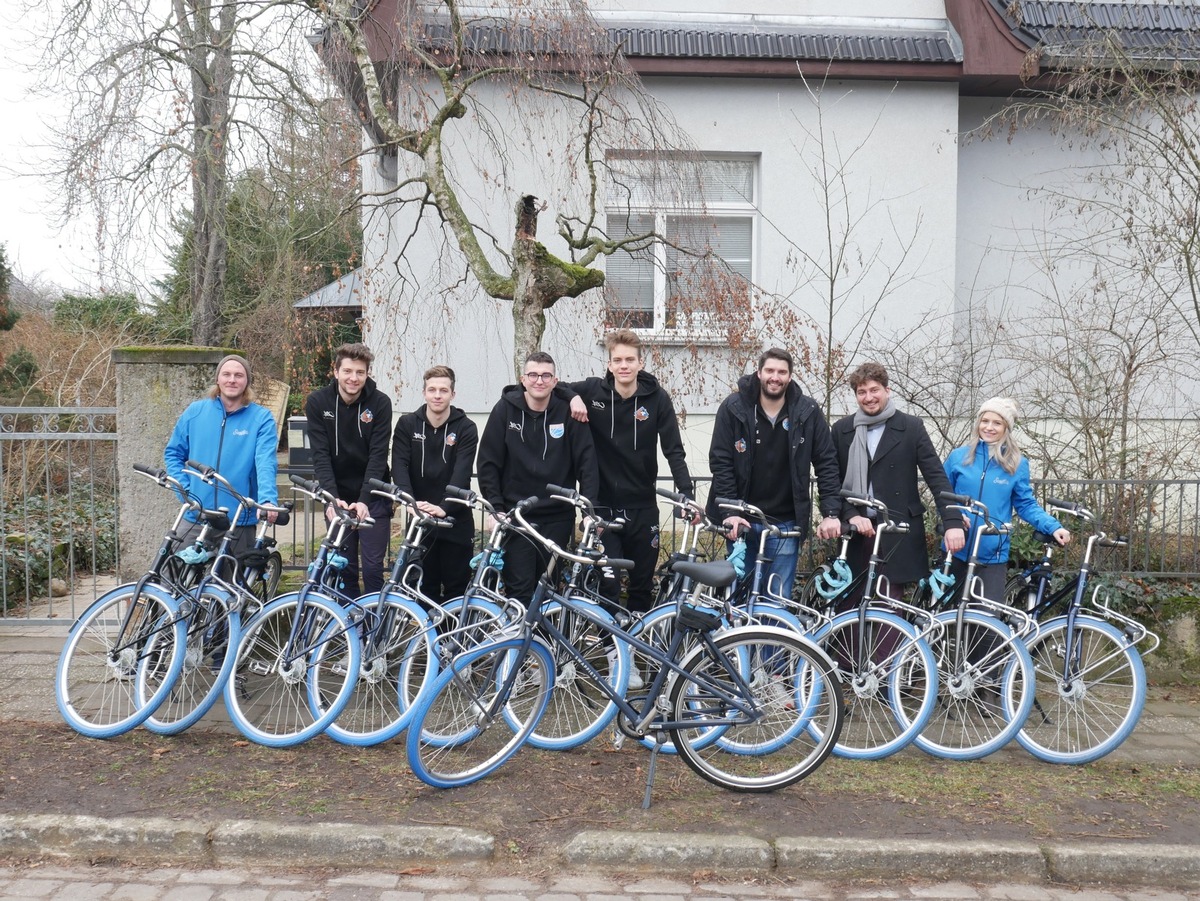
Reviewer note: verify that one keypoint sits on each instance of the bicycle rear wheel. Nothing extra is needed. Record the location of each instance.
(95, 682)
(578, 709)
(479, 712)
(1089, 713)
(212, 628)
(795, 712)
(282, 692)
(378, 710)
(985, 688)
(889, 680)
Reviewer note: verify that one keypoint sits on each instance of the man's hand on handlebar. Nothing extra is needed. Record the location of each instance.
(431, 509)
(864, 526)
(830, 527)
(956, 540)
(735, 526)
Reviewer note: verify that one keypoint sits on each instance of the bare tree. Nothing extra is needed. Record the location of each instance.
(426, 77)
(861, 254)
(168, 99)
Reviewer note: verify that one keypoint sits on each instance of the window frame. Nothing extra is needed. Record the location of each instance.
(661, 216)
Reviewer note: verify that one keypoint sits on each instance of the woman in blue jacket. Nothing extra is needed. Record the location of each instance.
(992, 469)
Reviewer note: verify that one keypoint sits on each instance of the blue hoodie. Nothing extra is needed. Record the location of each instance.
(1002, 493)
(239, 445)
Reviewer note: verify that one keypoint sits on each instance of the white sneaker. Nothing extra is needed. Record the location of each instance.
(635, 678)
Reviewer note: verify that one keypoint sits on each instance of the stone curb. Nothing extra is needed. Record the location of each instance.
(241, 842)
(253, 842)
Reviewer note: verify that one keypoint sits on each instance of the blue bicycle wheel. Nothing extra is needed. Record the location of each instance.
(480, 710)
(1087, 699)
(212, 629)
(95, 684)
(888, 677)
(294, 672)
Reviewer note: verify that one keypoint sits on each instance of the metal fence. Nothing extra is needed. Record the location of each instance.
(58, 509)
(58, 515)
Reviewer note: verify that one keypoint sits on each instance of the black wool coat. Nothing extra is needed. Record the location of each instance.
(905, 449)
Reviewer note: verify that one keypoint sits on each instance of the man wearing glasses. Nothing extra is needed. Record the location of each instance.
(530, 440)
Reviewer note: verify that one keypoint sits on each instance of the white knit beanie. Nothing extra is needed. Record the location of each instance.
(1004, 407)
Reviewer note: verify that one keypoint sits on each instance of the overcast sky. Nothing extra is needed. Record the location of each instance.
(35, 249)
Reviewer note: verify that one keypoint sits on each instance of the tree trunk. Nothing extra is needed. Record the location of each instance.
(540, 280)
(212, 75)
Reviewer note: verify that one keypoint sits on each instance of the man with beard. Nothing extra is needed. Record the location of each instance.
(767, 437)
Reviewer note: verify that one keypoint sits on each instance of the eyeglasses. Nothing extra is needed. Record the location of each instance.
(539, 376)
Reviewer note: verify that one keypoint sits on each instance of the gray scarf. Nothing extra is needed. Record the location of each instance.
(859, 459)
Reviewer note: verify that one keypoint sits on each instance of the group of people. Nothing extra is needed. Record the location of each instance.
(602, 435)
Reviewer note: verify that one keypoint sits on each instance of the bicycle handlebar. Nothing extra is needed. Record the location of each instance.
(518, 513)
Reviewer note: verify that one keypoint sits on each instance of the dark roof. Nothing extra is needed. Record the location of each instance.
(343, 294)
(1145, 30)
(722, 40)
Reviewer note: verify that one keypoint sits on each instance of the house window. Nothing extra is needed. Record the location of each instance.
(695, 275)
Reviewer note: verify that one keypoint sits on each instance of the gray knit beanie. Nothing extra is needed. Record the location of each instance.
(240, 359)
(1004, 407)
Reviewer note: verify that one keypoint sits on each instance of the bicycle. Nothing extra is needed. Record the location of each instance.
(985, 673)
(298, 658)
(1090, 683)
(696, 697)
(883, 660)
(95, 679)
(396, 630)
(213, 610)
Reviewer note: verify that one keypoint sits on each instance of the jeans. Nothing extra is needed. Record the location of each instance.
(784, 554)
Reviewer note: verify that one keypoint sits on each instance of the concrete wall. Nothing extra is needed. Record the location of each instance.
(154, 385)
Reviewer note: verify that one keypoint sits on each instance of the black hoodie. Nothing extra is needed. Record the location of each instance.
(627, 433)
(426, 459)
(522, 450)
(350, 441)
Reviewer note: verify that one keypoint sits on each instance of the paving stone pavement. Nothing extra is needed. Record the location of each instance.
(122, 883)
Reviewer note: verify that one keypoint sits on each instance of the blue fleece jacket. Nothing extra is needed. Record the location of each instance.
(239, 445)
(1002, 493)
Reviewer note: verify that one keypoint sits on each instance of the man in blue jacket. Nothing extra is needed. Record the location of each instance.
(766, 438)
(237, 438)
(349, 430)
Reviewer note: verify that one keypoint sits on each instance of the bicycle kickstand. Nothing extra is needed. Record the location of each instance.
(660, 739)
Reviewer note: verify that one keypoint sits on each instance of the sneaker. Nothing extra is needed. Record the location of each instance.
(635, 678)
(777, 695)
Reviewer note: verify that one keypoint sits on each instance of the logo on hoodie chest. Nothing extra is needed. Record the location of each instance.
(641, 414)
(557, 430)
(366, 417)
(599, 405)
(452, 439)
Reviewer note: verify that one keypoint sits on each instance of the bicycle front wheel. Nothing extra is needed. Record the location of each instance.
(1087, 699)
(95, 682)
(212, 628)
(378, 710)
(889, 680)
(776, 727)
(479, 712)
(295, 669)
(985, 688)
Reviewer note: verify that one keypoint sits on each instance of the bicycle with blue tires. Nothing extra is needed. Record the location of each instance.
(298, 659)
(231, 589)
(95, 680)
(723, 715)
(985, 673)
(1090, 682)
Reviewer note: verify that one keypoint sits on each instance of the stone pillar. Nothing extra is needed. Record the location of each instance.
(154, 385)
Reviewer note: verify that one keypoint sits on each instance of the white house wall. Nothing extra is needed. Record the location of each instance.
(902, 181)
